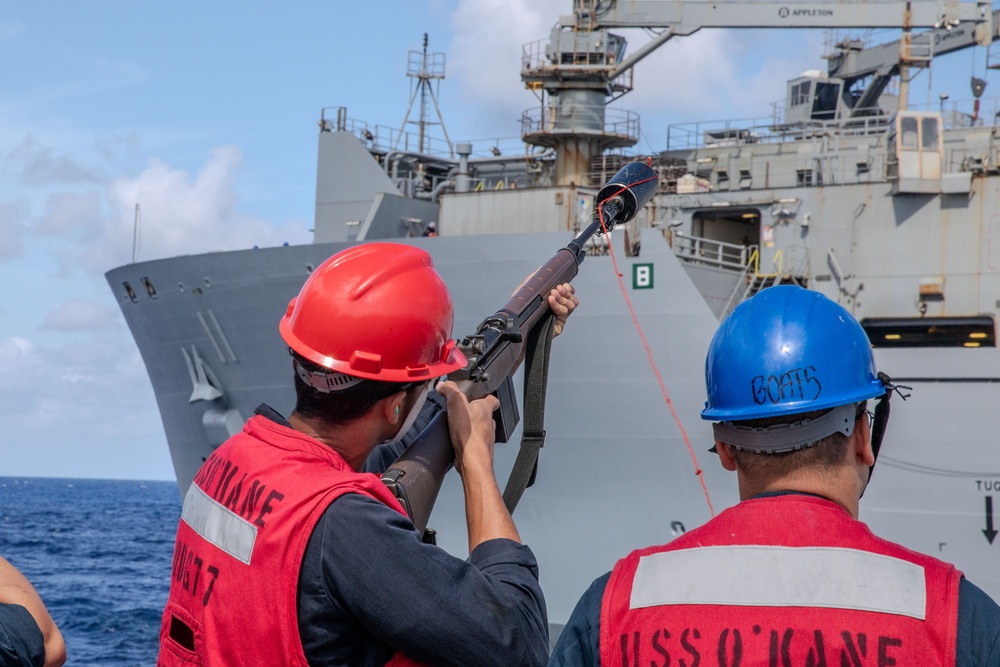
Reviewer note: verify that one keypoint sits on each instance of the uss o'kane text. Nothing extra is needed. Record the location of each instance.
(221, 479)
(730, 647)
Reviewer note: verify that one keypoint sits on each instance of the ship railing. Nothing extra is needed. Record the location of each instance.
(540, 62)
(787, 261)
(961, 113)
(699, 250)
(796, 262)
(751, 278)
(768, 129)
(383, 139)
(533, 55)
(742, 285)
(828, 161)
(790, 263)
(581, 119)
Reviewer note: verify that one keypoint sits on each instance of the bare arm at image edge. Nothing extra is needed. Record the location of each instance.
(16, 589)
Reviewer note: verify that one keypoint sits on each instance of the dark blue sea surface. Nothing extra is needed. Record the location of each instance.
(98, 552)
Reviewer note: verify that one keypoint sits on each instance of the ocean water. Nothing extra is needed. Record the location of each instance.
(98, 552)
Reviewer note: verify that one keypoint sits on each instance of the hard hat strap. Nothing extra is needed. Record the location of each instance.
(411, 416)
(325, 381)
(881, 420)
(787, 437)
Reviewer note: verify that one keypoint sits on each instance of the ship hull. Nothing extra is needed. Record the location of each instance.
(616, 472)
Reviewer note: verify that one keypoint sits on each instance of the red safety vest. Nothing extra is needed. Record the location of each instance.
(246, 521)
(782, 581)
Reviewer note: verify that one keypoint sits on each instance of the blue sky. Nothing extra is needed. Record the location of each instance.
(205, 114)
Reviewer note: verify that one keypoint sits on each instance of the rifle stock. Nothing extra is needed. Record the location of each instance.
(496, 349)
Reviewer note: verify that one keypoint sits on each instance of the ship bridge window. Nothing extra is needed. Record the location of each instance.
(929, 133)
(977, 331)
(908, 132)
(800, 93)
(825, 101)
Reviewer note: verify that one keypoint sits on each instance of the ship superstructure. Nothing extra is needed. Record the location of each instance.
(844, 189)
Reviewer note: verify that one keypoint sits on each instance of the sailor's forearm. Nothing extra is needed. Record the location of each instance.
(485, 512)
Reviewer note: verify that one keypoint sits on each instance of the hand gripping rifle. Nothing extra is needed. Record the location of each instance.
(522, 325)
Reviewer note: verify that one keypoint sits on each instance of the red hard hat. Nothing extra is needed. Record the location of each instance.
(377, 311)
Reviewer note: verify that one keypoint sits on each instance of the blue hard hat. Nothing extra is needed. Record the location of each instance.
(786, 351)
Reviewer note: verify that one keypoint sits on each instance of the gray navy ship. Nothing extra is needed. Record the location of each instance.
(892, 212)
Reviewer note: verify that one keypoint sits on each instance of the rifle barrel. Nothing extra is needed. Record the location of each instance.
(416, 476)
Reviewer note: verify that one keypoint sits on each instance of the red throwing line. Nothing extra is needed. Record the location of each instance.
(649, 355)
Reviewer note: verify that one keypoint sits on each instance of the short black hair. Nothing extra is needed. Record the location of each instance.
(343, 405)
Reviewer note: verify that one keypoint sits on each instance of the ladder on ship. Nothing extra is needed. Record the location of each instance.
(752, 281)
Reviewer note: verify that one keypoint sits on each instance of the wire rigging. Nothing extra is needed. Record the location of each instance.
(649, 355)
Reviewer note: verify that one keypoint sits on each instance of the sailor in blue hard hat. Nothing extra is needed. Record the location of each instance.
(790, 568)
(790, 351)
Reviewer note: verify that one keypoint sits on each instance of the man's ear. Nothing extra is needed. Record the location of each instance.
(861, 443)
(725, 455)
(392, 407)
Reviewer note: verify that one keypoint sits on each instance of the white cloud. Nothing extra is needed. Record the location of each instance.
(116, 145)
(20, 360)
(80, 315)
(46, 412)
(485, 57)
(68, 212)
(83, 409)
(33, 163)
(12, 229)
(78, 389)
(686, 75)
(46, 389)
(180, 214)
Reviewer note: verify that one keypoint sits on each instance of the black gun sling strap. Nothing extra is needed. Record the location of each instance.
(536, 376)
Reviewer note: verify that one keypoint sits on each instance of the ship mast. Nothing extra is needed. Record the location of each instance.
(424, 68)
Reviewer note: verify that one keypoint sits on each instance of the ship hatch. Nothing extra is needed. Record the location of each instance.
(736, 226)
(977, 331)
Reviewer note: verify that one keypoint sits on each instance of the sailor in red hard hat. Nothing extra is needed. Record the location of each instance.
(789, 576)
(291, 551)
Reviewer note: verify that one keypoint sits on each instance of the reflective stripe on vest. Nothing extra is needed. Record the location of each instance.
(244, 527)
(219, 525)
(780, 581)
(852, 579)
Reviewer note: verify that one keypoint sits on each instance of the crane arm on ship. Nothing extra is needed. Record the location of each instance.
(853, 62)
(686, 18)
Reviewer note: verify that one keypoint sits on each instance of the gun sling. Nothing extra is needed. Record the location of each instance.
(536, 376)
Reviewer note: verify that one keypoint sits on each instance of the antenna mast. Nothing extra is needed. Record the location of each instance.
(135, 232)
(425, 67)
